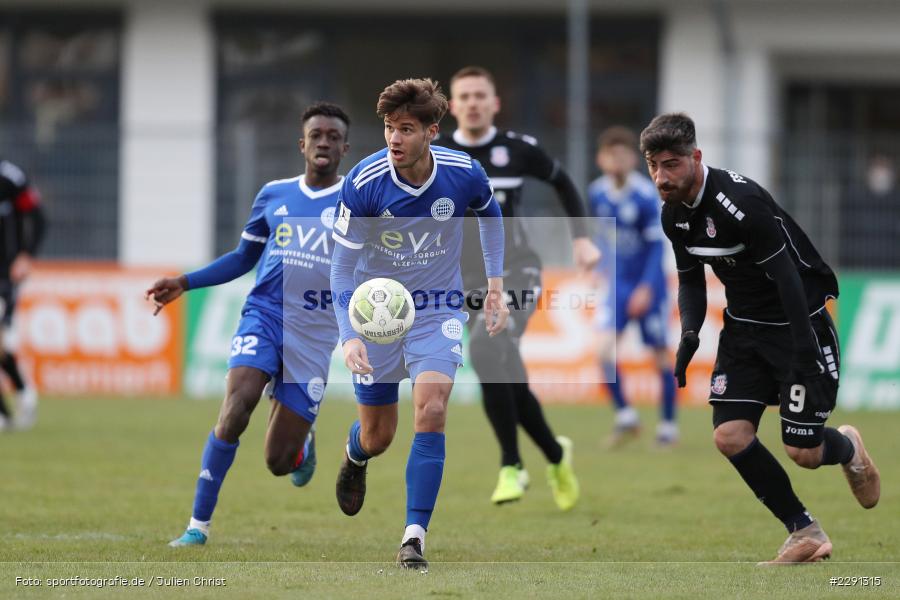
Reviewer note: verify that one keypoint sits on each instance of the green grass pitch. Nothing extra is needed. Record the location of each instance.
(99, 487)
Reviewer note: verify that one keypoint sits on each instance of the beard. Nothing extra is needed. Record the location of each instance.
(677, 192)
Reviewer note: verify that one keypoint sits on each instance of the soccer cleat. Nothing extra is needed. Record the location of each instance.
(861, 472)
(626, 428)
(26, 413)
(511, 485)
(807, 545)
(410, 555)
(561, 477)
(351, 486)
(302, 474)
(191, 537)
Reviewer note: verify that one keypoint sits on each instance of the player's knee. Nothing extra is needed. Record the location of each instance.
(235, 416)
(733, 436)
(431, 415)
(281, 462)
(808, 458)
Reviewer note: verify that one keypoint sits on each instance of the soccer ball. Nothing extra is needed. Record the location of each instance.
(381, 310)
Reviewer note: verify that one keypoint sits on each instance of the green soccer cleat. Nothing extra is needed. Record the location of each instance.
(191, 537)
(562, 478)
(511, 485)
(302, 474)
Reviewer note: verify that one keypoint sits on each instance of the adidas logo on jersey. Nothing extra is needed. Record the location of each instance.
(686, 226)
(205, 474)
(386, 214)
(282, 211)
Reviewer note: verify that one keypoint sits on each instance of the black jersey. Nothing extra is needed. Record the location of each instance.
(18, 202)
(735, 228)
(508, 158)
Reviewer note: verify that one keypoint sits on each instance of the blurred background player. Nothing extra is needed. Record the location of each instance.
(422, 191)
(280, 337)
(22, 226)
(778, 345)
(632, 267)
(507, 157)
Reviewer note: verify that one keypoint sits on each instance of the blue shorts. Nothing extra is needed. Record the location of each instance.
(433, 344)
(654, 324)
(297, 360)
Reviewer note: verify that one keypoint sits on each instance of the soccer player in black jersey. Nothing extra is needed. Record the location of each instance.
(507, 158)
(778, 345)
(21, 231)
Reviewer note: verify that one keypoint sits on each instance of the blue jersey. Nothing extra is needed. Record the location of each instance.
(638, 239)
(411, 234)
(294, 221)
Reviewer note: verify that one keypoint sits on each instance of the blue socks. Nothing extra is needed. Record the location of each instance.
(423, 477)
(217, 459)
(615, 387)
(668, 394)
(354, 449)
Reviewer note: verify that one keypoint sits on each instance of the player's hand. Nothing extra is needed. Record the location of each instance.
(639, 302)
(690, 341)
(585, 254)
(20, 267)
(356, 358)
(811, 384)
(496, 312)
(165, 290)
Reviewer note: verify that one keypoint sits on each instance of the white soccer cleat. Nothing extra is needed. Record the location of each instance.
(26, 413)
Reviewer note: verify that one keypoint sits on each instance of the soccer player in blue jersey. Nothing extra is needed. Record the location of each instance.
(400, 216)
(639, 290)
(287, 331)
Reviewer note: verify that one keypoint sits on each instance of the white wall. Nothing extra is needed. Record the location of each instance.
(823, 40)
(166, 189)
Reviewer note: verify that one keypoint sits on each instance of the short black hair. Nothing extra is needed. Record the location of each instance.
(325, 109)
(673, 132)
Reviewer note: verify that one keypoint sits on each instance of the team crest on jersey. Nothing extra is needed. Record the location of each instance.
(499, 156)
(719, 384)
(628, 212)
(442, 209)
(316, 389)
(327, 217)
(710, 227)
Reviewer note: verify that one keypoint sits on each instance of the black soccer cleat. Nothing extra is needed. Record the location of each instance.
(351, 487)
(410, 555)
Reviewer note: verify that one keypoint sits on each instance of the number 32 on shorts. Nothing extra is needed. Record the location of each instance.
(245, 344)
(797, 398)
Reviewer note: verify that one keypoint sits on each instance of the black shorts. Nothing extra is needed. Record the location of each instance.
(7, 302)
(751, 372)
(523, 290)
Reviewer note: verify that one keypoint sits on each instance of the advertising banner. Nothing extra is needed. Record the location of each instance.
(83, 328)
(869, 326)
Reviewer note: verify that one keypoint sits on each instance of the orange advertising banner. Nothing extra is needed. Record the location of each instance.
(560, 347)
(85, 328)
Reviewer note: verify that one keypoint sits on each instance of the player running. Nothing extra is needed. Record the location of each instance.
(287, 330)
(22, 223)
(508, 157)
(638, 292)
(778, 345)
(399, 217)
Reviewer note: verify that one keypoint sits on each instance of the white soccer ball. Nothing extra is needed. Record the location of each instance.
(381, 310)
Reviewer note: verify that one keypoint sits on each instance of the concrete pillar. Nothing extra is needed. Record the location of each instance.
(168, 94)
